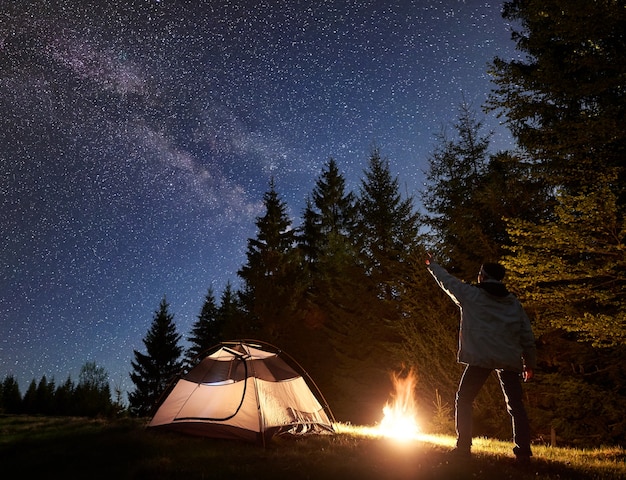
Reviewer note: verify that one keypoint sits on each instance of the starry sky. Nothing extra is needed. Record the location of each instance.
(137, 139)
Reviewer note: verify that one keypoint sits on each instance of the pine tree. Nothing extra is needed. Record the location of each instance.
(387, 227)
(231, 315)
(334, 280)
(327, 239)
(565, 101)
(362, 334)
(329, 215)
(29, 402)
(565, 104)
(64, 397)
(429, 331)
(45, 396)
(153, 370)
(451, 196)
(206, 331)
(270, 274)
(11, 396)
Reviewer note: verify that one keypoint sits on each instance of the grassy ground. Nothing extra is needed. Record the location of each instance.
(72, 448)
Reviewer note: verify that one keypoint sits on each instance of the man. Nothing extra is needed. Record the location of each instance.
(495, 334)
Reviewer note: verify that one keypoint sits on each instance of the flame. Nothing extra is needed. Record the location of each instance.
(400, 416)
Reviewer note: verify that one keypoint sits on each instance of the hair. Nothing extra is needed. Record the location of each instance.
(494, 271)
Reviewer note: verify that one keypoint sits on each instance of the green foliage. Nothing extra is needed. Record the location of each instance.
(564, 102)
(385, 234)
(64, 398)
(429, 331)
(571, 267)
(329, 216)
(38, 397)
(230, 315)
(331, 306)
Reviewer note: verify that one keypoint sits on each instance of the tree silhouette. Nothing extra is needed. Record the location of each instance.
(153, 370)
(207, 329)
(271, 272)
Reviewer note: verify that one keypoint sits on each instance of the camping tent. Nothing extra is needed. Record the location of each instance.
(246, 390)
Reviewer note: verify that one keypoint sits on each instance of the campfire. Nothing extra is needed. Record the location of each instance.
(400, 414)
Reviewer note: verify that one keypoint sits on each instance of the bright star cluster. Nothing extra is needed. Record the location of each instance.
(137, 138)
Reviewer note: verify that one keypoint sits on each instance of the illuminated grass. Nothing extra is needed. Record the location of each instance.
(601, 462)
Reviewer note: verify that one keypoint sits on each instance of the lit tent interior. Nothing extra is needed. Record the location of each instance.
(246, 390)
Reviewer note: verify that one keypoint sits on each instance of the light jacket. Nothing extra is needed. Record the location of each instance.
(495, 331)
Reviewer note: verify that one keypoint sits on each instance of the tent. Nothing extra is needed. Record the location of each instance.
(247, 390)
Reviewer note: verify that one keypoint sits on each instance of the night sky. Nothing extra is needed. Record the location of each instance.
(136, 143)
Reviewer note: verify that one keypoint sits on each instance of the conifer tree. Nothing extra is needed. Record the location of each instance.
(45, 396)
(564, 99)
(452, 194)
(470, 194)
(207, 329)
(64, 398)
(230, 314)
(387, 227)
(270, 274)
(29, 402)
(327, 238)
(11, 396)
(330, 214)
(429, 331)
(153, 370)
(577, 263)
(384, 236)
(333, 275)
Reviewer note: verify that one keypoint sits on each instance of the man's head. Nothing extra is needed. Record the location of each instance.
(491, 271)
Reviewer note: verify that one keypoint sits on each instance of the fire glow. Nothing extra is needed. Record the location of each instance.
(400, 415)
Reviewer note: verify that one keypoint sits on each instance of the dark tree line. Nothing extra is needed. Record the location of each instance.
(90, 397)
(329, 289)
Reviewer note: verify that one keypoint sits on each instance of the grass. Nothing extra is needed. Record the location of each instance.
(76, 448)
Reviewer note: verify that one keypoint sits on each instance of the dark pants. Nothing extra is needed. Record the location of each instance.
(472, 381)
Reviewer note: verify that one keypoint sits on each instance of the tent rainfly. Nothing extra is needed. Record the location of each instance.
(246, 390)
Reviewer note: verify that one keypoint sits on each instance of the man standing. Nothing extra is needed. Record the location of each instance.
(495, 334)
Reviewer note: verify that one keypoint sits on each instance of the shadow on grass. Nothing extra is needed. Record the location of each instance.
(36, 448)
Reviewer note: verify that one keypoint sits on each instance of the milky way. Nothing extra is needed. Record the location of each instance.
(137, 139)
